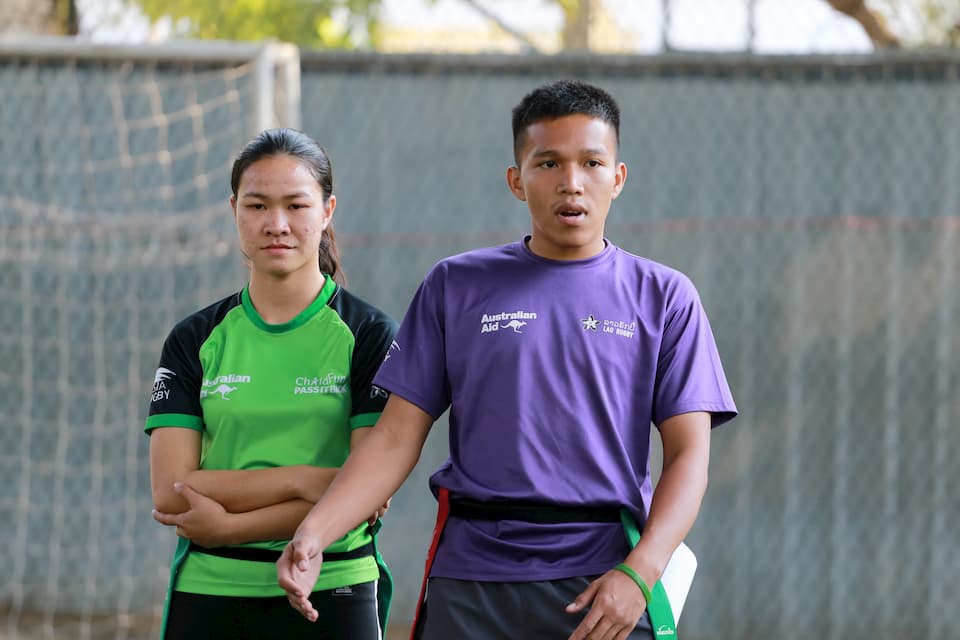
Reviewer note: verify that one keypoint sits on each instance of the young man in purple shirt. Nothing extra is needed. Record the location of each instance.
(554, 354)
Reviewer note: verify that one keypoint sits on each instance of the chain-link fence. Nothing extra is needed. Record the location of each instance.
(814, 201)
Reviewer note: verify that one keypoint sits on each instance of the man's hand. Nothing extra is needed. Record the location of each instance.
(297, 572)
(616, 605)
(204, 523)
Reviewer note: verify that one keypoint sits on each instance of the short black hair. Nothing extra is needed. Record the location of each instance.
(559, 99)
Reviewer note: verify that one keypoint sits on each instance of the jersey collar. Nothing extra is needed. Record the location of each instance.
(329, 287)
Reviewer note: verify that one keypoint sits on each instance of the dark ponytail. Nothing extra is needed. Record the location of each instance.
(330, 256)
(272, 142)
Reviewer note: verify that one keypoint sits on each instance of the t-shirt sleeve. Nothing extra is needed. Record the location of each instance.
(175, 399)
(371, 348)
(416, 366)
(690, 376)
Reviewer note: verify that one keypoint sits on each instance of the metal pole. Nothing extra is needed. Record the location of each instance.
(276, 87)
(264, 116)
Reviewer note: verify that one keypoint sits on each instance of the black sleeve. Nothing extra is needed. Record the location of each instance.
(373, 343)
(175, 400)
(373, 332)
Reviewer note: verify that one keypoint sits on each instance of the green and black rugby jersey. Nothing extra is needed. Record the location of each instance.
(266, 395)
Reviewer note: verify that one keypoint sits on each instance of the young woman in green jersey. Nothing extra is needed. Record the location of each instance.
(256, 403)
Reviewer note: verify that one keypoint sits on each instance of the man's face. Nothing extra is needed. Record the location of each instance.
(568, 176)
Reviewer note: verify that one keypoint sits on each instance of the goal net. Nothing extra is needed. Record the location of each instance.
(115, 224)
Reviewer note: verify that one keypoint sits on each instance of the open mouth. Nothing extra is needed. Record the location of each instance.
(570, 210)
(571, 213)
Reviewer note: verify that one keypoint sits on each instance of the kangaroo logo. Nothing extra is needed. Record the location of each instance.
(514, 324)
(491, 322)
(223, 390)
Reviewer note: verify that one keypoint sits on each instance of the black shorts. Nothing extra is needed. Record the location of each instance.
(468, 610)
(346, 613)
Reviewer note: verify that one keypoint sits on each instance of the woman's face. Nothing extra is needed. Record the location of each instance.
(281, 214)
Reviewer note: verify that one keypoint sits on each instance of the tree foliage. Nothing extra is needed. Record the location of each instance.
(51, 17)
(576, 23)
(321, 24)
(924, 23)
(870, 20)
(905, 23)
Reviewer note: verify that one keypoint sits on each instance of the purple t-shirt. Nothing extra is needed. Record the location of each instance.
(553, 372)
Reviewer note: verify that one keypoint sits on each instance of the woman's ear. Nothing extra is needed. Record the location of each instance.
(328, 208)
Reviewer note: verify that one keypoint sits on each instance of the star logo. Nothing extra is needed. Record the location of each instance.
(590, 323)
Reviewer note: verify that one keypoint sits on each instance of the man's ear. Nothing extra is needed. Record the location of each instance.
(620, 180)
(515, 183)
(233, 205)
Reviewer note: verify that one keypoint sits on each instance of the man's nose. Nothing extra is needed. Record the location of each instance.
(571, 180)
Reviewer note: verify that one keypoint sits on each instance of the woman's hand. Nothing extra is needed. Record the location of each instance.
(205, 523)
(379, 513)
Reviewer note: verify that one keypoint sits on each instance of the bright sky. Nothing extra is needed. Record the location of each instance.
(782, 26)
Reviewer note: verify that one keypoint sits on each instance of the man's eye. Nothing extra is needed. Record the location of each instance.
(549, 164)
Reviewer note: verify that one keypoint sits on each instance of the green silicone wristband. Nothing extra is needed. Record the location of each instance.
(633, 575)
